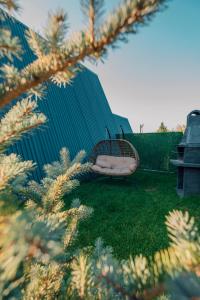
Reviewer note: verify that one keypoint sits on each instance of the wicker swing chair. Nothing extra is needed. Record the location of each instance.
(114, 157)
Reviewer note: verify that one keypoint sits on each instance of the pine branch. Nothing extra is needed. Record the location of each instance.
(92, 10)
(119, 289)
(18, 120)
(82, 277)
(12, 166)
(56, 30)
(181, 227)
(45, 281)
(24, 238)
(9, 45)
(92, 21)
(36, 43)
(70, 232)
(43, 69)
(10, 4)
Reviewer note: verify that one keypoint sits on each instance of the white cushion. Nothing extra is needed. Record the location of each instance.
(133, 167)
(103, 161)
(119, 172)
(114, 162)
(107, 171)
(111, 172)
(124, 171)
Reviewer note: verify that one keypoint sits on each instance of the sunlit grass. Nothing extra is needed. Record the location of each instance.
(129, 214)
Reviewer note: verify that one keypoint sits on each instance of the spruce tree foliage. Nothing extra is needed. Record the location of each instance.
(162, 128)
(37, 258)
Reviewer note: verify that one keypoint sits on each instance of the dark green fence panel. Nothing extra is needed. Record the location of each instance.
(156, 149)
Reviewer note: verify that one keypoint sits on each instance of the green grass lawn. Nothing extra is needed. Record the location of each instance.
(129, 214)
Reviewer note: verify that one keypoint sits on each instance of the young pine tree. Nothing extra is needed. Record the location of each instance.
(162, 128)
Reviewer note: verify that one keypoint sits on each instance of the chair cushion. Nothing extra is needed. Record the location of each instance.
(103, 161)
(133, 167)
(114, 166)
(111, 172)
(114, 162)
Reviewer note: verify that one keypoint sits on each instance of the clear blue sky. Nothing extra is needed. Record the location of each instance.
(153, 78)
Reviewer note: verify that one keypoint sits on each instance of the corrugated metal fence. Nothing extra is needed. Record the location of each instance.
(78, 115)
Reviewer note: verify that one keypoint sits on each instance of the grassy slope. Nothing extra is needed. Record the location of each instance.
(129, 214)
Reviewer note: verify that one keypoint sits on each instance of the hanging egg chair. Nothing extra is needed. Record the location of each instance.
(114, 157)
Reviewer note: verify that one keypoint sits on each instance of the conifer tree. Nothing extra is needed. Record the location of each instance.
(37, 258)
(162, 128)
